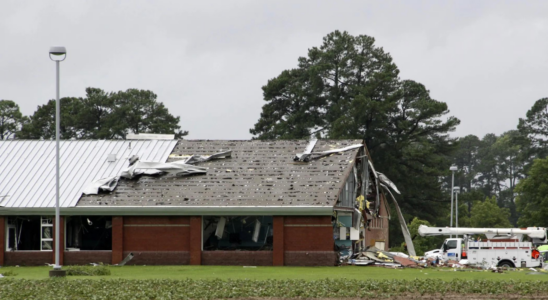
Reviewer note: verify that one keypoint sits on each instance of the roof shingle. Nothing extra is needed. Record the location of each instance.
(259, 173)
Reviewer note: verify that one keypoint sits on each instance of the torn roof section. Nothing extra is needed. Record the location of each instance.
(27, 176)
(259, 173)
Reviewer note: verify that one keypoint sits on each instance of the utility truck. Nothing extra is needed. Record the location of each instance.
(504, 247)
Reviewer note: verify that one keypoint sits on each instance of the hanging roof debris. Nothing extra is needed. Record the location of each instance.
(137, 168)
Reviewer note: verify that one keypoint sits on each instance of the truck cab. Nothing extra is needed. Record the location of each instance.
(452, 249)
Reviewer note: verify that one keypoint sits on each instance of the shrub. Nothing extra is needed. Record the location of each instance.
(99, 270)
(9, 273)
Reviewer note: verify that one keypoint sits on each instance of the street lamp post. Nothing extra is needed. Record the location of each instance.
(456, 191)
(453, 168)
(57, 54)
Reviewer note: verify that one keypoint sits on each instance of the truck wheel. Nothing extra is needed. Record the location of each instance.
(506, 264)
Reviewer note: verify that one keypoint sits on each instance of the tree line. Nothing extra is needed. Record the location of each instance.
(98, 115)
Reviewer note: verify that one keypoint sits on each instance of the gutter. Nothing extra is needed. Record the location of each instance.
(175, 210)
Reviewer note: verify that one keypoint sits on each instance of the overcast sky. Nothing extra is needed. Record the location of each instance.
(207, 60)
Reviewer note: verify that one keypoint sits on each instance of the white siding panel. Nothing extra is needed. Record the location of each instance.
(27, 168)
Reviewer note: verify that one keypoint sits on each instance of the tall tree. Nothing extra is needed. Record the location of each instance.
(95, 116)
(532, 199)
(467, 160)
(349, 88)
(138, 111)
(102, 115)
(41, 124)
(535, 126)
(11, 119)
(489, 214)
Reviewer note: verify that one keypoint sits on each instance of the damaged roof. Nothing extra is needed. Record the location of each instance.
(258, 174)
(27, 168)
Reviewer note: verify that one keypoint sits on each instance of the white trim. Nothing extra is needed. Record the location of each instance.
(177, 210)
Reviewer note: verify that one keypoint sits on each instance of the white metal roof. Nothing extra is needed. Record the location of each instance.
(27, 168)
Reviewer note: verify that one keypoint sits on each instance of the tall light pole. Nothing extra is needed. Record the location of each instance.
(57, 54)
(456, 190)
(453, 168)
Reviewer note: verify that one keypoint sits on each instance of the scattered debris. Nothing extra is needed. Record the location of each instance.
(184, 167)
(125, 261)
(306, 156)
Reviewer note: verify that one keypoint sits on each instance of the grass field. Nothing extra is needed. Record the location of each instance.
(215, 282)
(278, 273)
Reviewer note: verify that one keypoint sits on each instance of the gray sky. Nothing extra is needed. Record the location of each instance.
(207, 60)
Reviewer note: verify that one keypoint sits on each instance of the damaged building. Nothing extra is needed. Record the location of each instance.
(198, 202)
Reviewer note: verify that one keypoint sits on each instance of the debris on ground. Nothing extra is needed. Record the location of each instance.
(375, 257)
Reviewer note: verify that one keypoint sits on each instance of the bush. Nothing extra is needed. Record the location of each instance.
(9, 273)
(99, 270)
(126, 289)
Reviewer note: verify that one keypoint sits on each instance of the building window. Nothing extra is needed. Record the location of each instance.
(237, 233)
(88, 233)
(46, 237)
(29, 233)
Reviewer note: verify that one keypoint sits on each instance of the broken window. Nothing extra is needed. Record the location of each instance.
(237, 233)
(88, 233)
(28, 233)
(46, 237)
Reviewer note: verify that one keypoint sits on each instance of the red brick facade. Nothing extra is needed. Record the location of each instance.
(27, 258)
(177, 240)
(87, 257)
(237, 258)
(378, 228)
(159, 257)
(308, 241)
(278, 241)
(117, 239)
(308, 234)
(156, 234)
(195, 240)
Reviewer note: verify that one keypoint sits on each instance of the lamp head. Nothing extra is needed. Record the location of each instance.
(57, 53)
(453, 168)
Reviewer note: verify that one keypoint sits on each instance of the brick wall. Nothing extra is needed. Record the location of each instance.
(159, 257)
(308, 233)
(379, 232)
(298, 240)
(237, 258)
(278, 241)
(27, 258)
(156, 234)
(195, 240)
(310, 258)
(117, 239)
(308, 241)
(87, 257)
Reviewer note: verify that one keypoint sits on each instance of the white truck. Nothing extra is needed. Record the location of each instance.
(504, 247)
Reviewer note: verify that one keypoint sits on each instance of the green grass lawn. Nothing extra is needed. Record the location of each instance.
(265, 273)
